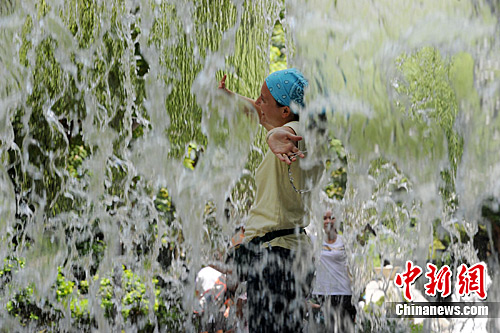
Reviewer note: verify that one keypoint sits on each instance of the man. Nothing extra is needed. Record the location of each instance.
(274, 231)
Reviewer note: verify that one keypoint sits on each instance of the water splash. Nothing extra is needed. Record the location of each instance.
(100, 100)
(403, 154)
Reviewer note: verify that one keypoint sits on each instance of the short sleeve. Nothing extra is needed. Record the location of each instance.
(296, 128)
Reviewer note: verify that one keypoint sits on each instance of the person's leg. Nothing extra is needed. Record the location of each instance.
(348, 313)
(319, 313)
(329, 308)
(284, 286)
(272, 294)
(315, 312)
(257, 301)
(342, 314)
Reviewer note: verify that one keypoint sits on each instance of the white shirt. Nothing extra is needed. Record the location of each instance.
(331, 271)
(206, 278)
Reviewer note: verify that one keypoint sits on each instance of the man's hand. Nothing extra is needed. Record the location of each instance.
(281, 141)
(247, 109)
(222, 85)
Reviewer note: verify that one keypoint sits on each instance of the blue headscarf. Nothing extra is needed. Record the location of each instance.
(286, 86)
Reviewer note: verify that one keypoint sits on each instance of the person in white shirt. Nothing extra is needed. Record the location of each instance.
(332, 287)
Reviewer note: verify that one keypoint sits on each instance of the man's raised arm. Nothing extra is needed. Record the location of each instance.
(222, 86)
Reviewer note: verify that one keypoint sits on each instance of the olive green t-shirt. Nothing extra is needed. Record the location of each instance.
(277, 205)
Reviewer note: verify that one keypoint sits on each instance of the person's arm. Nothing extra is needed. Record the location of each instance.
(222, 86)
(349, 275)
(283, 143)
(281, 140)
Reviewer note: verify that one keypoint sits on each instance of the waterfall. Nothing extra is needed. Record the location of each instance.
(124, 170)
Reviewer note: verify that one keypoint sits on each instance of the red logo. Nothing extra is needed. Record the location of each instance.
(472, 279)
(469, 280)
(408, 278)
(440, 281)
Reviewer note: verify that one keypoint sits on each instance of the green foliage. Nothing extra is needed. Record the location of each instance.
(437, 245)
(24, 307)
(183, 62)
(416, 328)
(428, 87)
(431, 90)
(23, 297)
(64, 287)
(277, 51)
(77, 155)
(99, 90)
(191, 156)
(83, 21)
(48, 131)
(163, 201)
(11, 264)
(337, 168)
(336, 188)
(26, 43)
(374, 307)
(106, 293)
(79, 308)
(134, 302)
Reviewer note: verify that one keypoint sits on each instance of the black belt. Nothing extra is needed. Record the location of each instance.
(275, 234)
(243, 254)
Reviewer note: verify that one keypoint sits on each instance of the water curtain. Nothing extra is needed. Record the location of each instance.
(124, 170)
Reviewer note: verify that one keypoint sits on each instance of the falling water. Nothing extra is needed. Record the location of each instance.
(124, 170)
(417, 166)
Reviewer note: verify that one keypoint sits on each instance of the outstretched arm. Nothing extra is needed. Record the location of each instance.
(281, 140)
(222, 86)
(283, 143)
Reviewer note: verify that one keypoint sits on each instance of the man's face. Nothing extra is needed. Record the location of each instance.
(328, 222)
(270, 111)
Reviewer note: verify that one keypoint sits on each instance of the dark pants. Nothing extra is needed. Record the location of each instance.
(276, 292)
(338, 312)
